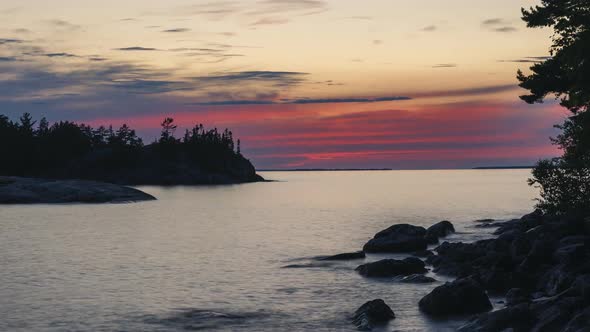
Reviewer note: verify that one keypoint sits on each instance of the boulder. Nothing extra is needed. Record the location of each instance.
(438, 230)
(392, 267)
(398, 238)
(372, 314)
(462, 296)
(344, 257)
(417, 279)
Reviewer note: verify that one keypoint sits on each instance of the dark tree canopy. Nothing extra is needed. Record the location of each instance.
(564, 181)
(567, 73)
(70, 150)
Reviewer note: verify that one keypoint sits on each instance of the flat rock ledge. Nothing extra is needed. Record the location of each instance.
(17, 190)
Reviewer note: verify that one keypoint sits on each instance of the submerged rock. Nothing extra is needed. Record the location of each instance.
(17, 190)
(417, 279)
(438, 230)
(372, 314)
(462, 296)
(398, 238)
(344, 257)
(392, 267)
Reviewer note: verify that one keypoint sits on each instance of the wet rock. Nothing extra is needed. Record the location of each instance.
(392, 267)
(554, 313)
(344, 257)
(580, 322)
(398, 238)
(307, 266)
(516, 296)
(372, 314)
(422, 253)
(518, 318)
(462, 296)
(438, 230)
(570, 253)
(485, 221)
(417, 279)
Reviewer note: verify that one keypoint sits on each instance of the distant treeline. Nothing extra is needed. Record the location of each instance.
(70, 150)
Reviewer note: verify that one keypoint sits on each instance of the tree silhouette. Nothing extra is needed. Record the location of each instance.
(168, 129)
(564, 181)
(66, 149)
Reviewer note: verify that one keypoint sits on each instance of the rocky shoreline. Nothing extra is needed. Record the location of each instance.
(539, 263)
(18, 190)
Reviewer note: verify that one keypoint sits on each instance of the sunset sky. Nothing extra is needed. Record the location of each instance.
(303, 83)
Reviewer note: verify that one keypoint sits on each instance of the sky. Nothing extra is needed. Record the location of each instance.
(396, 84)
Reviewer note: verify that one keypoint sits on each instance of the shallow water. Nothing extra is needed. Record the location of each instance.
(212, 258)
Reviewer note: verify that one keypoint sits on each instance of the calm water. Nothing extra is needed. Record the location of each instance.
(210, 257)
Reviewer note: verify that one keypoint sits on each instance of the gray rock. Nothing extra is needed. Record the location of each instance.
(17, 190)
(418, 279)
(462, 296)
(372, 314)
(517, 318)
(398, 238)
(516, 296)
(438, 230)
(344, 257)
(392, 267)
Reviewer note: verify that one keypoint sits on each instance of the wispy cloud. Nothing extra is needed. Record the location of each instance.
(22, 31)
(303, 101)
(529, 59)
(270, 21)
(4, 41)
(8, 59)
(492, 22)
(60, 55)
(62, 24)
(136, 48)
(498, 25)
(275, 78)
(430, 28)
(445, 65)
(176, 30)
(506, 29)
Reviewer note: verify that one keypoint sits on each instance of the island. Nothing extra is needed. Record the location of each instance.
(17, 190)
(66, 150)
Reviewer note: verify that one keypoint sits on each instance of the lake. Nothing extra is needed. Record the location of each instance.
(212, 258)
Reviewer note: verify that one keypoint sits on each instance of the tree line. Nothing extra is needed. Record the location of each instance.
(68, 149)
(564, 181)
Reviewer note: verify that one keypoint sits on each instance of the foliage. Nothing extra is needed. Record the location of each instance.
(564, 181)
(68, 149)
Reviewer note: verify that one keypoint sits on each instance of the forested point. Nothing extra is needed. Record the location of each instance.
(66, 150)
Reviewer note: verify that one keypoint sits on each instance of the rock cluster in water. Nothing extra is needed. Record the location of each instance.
(539, 263)
(407, 238)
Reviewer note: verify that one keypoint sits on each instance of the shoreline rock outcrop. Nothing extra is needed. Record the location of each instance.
(17, 190)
